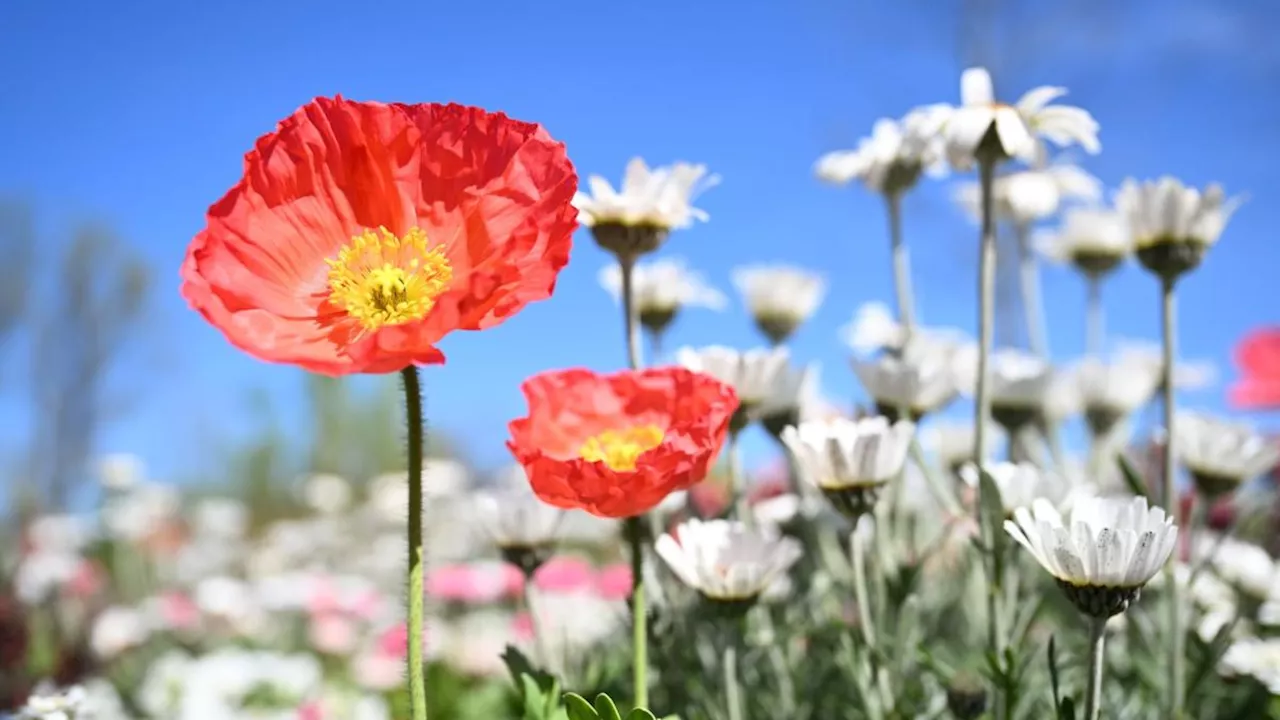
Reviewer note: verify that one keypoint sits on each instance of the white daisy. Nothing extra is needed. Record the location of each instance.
(918, 385)
(780, 297)
(121, 471)
(1220, 454)
(1173, 225)
(117, 629)
(651, 202)
(872, 329)
(661, 289)
(1014, 130)
(753, 374)
(1256, 658)
(1187, 374)
(951, 442)
(727, 561)
(1094, 240)
(1104, 554)
(850, 460)
(1018, 384)
(1112, 391)
(1021, 484)
(48, 703)
(795, 390)
(521, 526)
(892, 159)
(1028, 196)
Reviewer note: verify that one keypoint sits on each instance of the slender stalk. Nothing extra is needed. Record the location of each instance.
(413, 412)
(982, 399)
(737, 494)
(539, 642)
(635, 526)
(1097, 648)
(639, 625)
(732, 689)
(941, 492)
(1095, 318)
(1029, 288)
(901, 262)
(1170, 496)
(860, 594)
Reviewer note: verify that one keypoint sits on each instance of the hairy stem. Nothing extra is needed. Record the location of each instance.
(413, 412)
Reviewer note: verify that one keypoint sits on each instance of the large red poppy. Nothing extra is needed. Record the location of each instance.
(616, 445)
(362, 233)
(1258, 357)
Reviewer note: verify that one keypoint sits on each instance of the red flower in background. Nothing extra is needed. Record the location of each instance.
(362, 233)
(1258, 358)
(616, 445)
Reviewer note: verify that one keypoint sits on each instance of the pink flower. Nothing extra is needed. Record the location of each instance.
(1258, 357)
(177, 611)
(522, 627)
(563, 574)
(394, 641)
(378, 671)
(614, 582)
(87, 580)
(472, 584)
(332, 633)
(310, 711)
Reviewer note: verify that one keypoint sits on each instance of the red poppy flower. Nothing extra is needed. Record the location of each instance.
(616, 445)
(1258, 357)
(362, 233)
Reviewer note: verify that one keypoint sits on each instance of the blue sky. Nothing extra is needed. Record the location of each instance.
(139, 114)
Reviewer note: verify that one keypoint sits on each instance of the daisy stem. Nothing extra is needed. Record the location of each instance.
(982, 396)
(732, 690)
(1170, 496)
(941, 492)
(413, 411)
(634, 527)
(901, 262)
(639, 628)
(1097, 648)
(1095, 331)
(737, 494)
(1029, 289)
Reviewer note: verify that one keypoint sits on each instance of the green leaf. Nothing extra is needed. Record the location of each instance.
(1068, 709)
(1131, 476)
(578, 708)
(606, 709)
(992, 513)
(1053, 676)
(642, 714)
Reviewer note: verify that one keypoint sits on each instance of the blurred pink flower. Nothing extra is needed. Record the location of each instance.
(473, 584)
(87, 580)
(378, 671)
(394, 641)
(311, 711)
(332, 633)
(1258, 358)
(176, 611)
(522, 627)
(614, 582)
(563, 574)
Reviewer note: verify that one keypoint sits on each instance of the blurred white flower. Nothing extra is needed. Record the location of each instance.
(1254, 657)
(1220, 454)
(892, 159)
(1028, 196)
(780, 297)
(838, 453)
(753, 374)
(1094, 240)
(118, 472)
(117, 629)
(573, 622)
(377, 671)
(326, 493)
(220, 518)
(917, 385)
(162, 688)
(725, 560)
(47, 703)
(59, 533)
(1187, 374)
(1247, 567)
(332, 633)
(39, 574)
(1166, 211)
(478, 642)
(794, 391)
(223, 596)
(663, 286)
(1021, 484)
(138, 513)
(516, 518)
(1103, 556)
(1112, 391)
(1015, 129)
(951, 441)
(661, 197)
(873, 328)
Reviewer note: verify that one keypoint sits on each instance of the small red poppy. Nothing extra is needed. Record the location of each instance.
(1258, 357)
(362, 233)
(616, 445)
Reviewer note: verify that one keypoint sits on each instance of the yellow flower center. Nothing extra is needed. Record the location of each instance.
(381, 279)
(619, 449)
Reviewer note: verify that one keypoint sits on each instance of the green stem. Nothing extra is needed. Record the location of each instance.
(639, 626)
(982, 397)
(634, 527)
(413, 411)
(901, 262)
(941, 492)
(1176, 630)
(1095, 317)
(737, 494)
(1029, 289)
(732, 689)
(1097, 652)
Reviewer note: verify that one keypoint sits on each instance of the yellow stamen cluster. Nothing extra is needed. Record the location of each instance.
(381, 279)
(619, 449)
